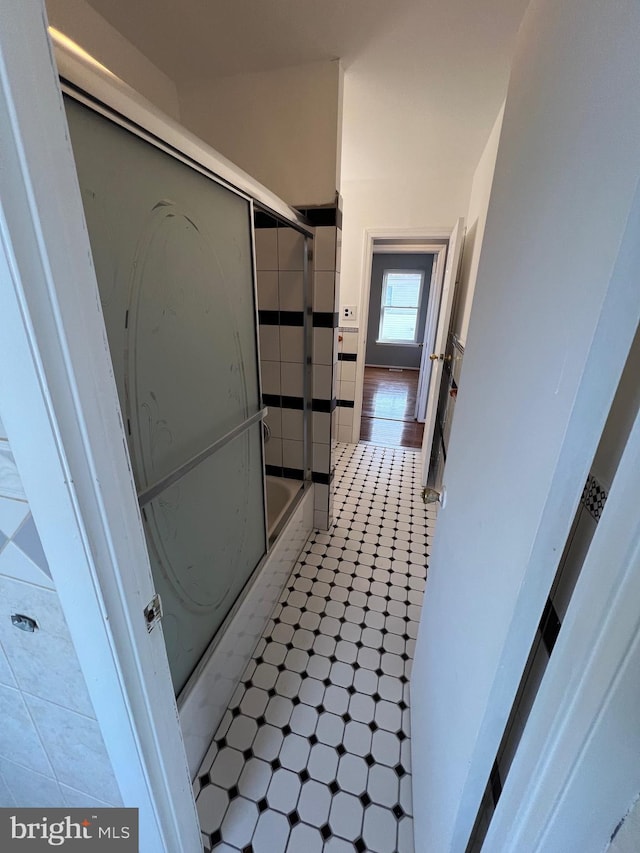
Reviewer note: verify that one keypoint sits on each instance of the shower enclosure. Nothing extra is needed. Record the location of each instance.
(173, 248)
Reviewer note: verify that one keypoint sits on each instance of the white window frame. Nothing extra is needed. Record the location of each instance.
(409, 341)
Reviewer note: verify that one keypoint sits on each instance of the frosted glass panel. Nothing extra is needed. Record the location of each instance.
(173, 258)
(205, 536)
(172, 251)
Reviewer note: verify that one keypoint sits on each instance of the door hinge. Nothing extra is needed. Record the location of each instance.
(153, 612)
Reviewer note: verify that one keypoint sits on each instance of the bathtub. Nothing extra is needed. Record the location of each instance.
(222, 667)
(280, 494)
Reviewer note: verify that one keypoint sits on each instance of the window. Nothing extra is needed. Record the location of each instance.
(399, 306)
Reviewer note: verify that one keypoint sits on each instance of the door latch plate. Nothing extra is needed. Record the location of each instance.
(153, 612)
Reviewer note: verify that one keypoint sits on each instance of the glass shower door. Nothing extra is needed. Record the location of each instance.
(173, 257)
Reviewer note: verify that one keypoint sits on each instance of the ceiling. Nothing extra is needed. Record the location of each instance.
(195, 40)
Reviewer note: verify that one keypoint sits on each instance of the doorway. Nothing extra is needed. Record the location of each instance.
(399, 297)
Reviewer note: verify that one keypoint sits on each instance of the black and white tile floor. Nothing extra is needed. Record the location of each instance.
(313, 752)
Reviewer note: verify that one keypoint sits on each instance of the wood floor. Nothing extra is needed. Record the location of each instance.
(388, 407)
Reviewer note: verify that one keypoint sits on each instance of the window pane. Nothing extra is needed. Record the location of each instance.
(402, 289)
(398, 324)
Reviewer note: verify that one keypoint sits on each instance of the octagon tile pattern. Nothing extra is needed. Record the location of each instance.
(313, 752)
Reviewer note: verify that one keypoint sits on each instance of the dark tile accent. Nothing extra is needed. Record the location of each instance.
(271, 399)
(273, 470)
(325, 319)
(292, 318)
(347, 356)
(346, 404)
(268, 318)
(550, 625)
(293, 473)
(319, 477)
(264, 220)
(323, 405)
(321, 215)
(292, 402)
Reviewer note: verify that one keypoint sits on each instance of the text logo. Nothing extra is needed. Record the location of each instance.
(73, 830)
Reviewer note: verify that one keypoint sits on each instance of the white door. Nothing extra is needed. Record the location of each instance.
(431, 366)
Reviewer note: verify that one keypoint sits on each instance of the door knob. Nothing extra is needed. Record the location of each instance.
(434, 356)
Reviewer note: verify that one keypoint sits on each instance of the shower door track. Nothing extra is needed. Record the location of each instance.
(147, 495)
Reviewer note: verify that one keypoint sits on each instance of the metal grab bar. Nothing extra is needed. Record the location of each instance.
(152, 492)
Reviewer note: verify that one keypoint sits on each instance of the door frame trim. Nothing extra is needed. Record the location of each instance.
(405, 240)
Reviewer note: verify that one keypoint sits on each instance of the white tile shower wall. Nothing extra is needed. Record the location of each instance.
(201, 712)
(51, 748)
(326, 298)
(280, 255)
(347, 359)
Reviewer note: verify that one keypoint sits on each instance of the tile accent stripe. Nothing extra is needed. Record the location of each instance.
(325, 319)
(283, 401)
(281, 471)
(292, 402)
(323, 405)
(269, 318)
(281, 318)
(346, 404)
(322, 216)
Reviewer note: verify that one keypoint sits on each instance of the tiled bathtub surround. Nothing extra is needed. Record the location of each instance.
(282, 301)
(51, 748)
(313, 751)
(326, 297)
(346, 384)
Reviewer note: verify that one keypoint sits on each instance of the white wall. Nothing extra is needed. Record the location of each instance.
(534, 405)
(77, 20)
(388, 184)
(475, 222)
(281, 126)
